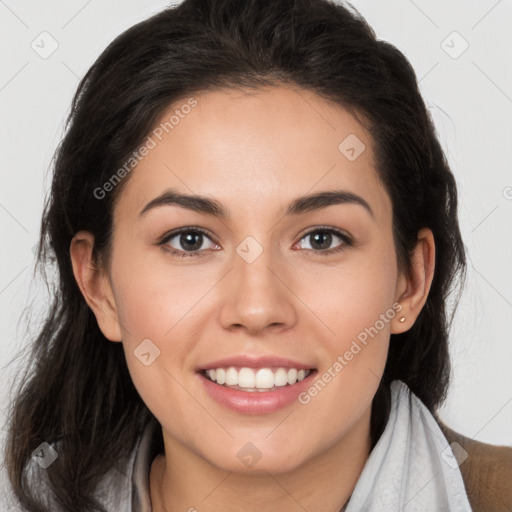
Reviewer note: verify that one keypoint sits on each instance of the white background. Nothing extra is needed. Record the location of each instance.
(470, 98)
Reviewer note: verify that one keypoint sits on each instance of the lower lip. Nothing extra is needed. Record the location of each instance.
(257, 402)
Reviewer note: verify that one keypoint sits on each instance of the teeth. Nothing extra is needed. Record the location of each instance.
(264, 378)
(231, 377)
(250, 379)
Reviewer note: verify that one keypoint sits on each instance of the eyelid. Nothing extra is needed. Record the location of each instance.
(164, 239)
(331, 229)
(347, 239)
(185, 229)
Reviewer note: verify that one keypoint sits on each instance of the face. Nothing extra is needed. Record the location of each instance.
(315, 286)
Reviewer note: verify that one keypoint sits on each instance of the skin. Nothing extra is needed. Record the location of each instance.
(255, 153)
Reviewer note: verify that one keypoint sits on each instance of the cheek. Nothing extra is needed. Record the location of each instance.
(351, 298)
(152, 302)
(158, 306)
(152, 297)
(356, 304)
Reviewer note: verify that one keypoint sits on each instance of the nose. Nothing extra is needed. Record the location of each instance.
(257, 296)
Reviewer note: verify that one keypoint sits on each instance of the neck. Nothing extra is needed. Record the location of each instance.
(184, 481)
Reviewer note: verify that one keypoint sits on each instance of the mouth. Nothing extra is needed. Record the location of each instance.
(256, 388)
(256, 380)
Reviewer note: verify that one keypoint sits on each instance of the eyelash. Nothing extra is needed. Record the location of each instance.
(347, 241)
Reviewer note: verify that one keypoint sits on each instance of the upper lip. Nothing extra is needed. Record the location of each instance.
(255, 362)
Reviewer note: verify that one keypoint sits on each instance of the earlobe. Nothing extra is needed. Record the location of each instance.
(94, 285)
(417, 284)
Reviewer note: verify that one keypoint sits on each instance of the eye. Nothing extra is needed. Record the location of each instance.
(191, 241)
(187, 241)
(321, 240)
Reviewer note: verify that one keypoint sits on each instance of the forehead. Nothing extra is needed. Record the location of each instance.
(249, 148)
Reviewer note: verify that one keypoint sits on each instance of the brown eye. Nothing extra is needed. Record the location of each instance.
(187, 240)
(321, 240)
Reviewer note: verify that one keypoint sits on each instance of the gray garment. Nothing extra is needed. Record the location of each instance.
(412, 468)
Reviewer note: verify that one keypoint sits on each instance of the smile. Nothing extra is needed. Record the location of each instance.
(255, 391)
(256, 380)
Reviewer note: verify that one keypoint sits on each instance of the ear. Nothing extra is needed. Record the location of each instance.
(413, 289)
(94, 284)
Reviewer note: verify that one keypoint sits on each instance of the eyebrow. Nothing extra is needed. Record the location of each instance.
(208, 206)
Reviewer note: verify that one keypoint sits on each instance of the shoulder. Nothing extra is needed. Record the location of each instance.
(487, 472)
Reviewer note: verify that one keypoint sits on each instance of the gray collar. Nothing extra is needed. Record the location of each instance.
(146, 451)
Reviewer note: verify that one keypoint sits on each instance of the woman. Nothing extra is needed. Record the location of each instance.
(256, 231)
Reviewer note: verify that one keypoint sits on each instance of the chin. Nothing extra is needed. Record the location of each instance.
(250, 459)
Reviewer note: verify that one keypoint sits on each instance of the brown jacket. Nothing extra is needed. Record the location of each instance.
(487, 473)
